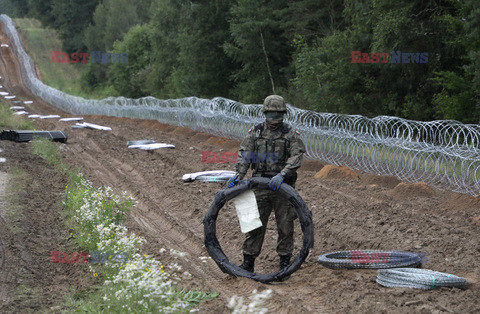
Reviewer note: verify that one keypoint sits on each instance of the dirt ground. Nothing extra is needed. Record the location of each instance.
(350, 211)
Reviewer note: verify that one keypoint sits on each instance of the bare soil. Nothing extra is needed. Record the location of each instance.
(370, 212)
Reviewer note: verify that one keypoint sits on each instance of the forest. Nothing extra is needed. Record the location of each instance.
(416, 59)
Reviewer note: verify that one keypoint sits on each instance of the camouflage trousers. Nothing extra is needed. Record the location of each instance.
(268, 200)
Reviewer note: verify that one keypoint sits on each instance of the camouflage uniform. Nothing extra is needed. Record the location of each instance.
(268, 153)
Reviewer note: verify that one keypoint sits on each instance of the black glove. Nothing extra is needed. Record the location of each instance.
(276, 182)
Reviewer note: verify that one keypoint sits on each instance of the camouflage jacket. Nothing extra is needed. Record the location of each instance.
(270, 152)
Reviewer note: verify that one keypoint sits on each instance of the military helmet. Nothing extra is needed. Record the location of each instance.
(274, 103)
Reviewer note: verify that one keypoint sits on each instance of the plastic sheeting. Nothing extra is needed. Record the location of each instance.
(93, 126)
(152, 146)
(247, 211)
(212, 173)
(71, 119)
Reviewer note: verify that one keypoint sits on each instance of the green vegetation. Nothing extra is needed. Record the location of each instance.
(302, 49)
(48, 151)
(10, 121)
(40, 42)
(131, 281)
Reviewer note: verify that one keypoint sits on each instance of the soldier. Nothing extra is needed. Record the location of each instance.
(274, 150)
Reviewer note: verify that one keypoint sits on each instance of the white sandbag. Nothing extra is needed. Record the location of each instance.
(3, 160)
(4, 45)
(3, 93)
(247, 211)
(19, 113)
(52, 116)
(17, 108)
(10, 97)
(28, 102)
(33, 116)
(94, 126)
(71, 119)
(193, 176)
(152, 146)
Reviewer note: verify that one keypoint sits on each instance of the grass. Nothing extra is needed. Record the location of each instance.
(9, 121)
(17, 177)
(48, 151)
(139, 284)
(40, 42)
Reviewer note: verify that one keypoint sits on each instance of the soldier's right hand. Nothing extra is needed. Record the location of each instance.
(231, 183)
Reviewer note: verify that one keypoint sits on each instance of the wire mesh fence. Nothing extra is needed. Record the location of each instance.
(443, 154)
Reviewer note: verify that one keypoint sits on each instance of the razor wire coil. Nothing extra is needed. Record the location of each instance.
(214, 249)
(369, 259)
(444, 154)
(418, 278)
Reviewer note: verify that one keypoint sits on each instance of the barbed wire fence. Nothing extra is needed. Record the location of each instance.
(443, 154)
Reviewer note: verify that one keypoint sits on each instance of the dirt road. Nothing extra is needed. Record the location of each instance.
(349, 212)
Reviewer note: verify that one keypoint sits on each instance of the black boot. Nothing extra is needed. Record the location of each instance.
(248, 262)
(284, 261)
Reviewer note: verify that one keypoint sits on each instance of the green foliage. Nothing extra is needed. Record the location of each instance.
(47, 150)
(42, 10)
(259, 47)
(10, 121)
(14, 8)
(130, 79)
(134, 282)
(202, 68)
(71, 20)
(247, 49)
(111, 21)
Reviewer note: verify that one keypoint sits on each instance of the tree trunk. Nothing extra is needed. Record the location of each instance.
(266, 60)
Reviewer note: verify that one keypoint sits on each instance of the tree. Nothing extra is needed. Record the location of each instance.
(42, 10)
(165, 18)
(130, 78)
(260, 48)
(202, 67)
(14, 8)
(71, 19)
(112, 20)
(459, 98)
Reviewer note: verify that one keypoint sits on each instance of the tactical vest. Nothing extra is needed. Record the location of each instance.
(270, 155)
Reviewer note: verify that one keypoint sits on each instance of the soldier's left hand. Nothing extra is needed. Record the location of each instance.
(276, 182)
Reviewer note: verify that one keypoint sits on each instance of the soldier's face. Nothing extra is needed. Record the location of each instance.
(274, 119)
(274, 115)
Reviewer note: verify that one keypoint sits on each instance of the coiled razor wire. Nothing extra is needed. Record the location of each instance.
(210, 229)
(418, 278)
(443, 154)
(370, 259)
